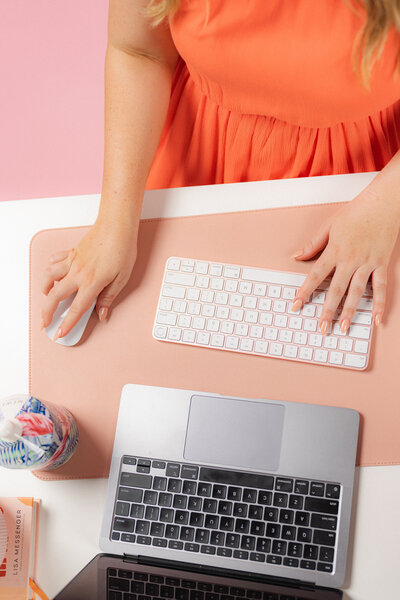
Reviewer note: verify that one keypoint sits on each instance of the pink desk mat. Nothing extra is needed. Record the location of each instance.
(88, 378)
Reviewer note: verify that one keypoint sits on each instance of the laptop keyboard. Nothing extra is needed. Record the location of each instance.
(124, 584)
(248, 310)
(233, 514)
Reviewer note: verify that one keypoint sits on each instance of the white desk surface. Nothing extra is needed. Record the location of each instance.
(71, 511)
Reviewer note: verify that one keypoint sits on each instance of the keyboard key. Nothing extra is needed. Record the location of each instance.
(160, 484)
(219, 491)
(115, 536)
(123, 524)
(273, 531)
(211, 522)
(142, 527)
(257, 528)
(189, 487)
(210, 506)
(172, 532)
(157, 529)
(136, 480)
(286, 516)
(326, 554)
(271, 514)
(150, 497)
(332, 490)
(217, 538)
(288, 532)
(324, 538)
(248, 542)
(175, 545)
(242, 525)
(143, 539)
(204, 489)
(239, 510)
(137, 511)
(280, 499)
(279, 547)
(180, 501)
(330, 507)
(196, 519)
(325, 567)
(301, 487)
(202, 536)
(122, 509)
(290, 562)
(241, 554)
(187, 534)
(207, 549)
(355, 360)
(195, 503)
(129, 460)
(317, 489)
(120, 585)
(225, 507)
(283, 484)
(181, 517)
(189, 472)
(226, 524)
(295, 549)
(175, 486)
(304, 535)
(323, 522)
(232, 540)
(257, 557)
(254, 480)
(255, 512)
(310, 552)
(263, 545)
(302, 518)
(164, 499)
(308, 564)
(167, 515)
(152, 513)
(296, 501)
(274, 560)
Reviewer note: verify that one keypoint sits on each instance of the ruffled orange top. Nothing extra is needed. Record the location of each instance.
(265, 89)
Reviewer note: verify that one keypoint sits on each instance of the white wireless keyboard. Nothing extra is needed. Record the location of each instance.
(246, 309)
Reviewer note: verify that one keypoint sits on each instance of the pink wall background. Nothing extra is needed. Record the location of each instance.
(51, 97)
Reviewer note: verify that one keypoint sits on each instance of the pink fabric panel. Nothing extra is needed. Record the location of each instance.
(51, 99)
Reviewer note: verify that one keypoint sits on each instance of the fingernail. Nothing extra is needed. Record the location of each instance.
(298, 253)
(378, 319)
(58, 334)
(324, 326)
(344, 325)
(103, 314)
(296, 305)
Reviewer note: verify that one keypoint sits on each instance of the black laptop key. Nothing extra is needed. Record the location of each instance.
(283, 484)
(164, 499)
(240, 510)
(175, 545)
(115, 536)
(158, 464)
(288, 532)
(202, 536)
(204, 586)
(207, 550)
(310, 565)
(332, 490)
(144, 462)
(130, 495)
(296, 501)
(115, 595)
(195, 503)
(136, 480)
(286, 516)
(196, 519)
(122, 524)
(157, 529)
(279, 547)
(273, 531)
(189, 488)
(295, 549)
(317, 489)
(217, 538)
(256, 594)
(157, 578)
(128, 537)
(256, 512)
(242, 526)
(219, 491)
(142, 527)
(310, 552)
(167, 515)
(137, 587)
(248, 542)
(181, 593)
(159, 543)
(234, 493)
(204, 490)
(189, 472)
(112, 572)
(209, 505)
(326, 554)
(301, 487)
(152, 513)
(237, 591)
(172, 532)
(187, 534)
(175, 486)
(238, 478)
(166, 591)
(226, 552)
(263, 545)
(257, 528)
(257, 557)
(122, 509)
(142, 469)
(274, 560)
(160, 484)
(196, 594)
(221, 589)
(120, 585)
(290, 562)
(232, 540)
(304, 534)
(172, 470)
(322, 505)
(180, 501)
(264, 498)
(211, 521)
(192, 547)
(212, 595)
(143, 539)
(280, 499)
(324, 538)
(225, 507)
(226, 523)
(181, 517)
(152, 589)
(188, 584)
(249, 495)
(323, 522)
(324, 567)
(172, 581)
(129, 460)
(271, 514)
(302, 518)
(241, 554)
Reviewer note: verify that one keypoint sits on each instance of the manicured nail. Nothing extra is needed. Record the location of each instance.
(298, 253)
(58, 335)
(324, 326)
(297, 304)
(103, 314)
(378, 319)
(344, 325)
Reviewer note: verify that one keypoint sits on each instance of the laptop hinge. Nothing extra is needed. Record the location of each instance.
(219, 571)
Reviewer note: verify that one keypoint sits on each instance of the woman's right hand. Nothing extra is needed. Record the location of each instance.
(99, 266)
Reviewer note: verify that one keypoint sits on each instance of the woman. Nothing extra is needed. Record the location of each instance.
(211, 91)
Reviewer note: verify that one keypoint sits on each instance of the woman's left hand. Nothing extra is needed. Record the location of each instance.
(356, 242)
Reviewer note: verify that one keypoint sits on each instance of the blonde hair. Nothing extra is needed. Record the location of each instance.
(380, 15)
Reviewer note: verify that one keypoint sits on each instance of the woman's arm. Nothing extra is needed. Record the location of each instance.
(357, 243)
(140, 62)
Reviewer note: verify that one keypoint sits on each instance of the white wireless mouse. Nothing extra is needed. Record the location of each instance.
(76, 332)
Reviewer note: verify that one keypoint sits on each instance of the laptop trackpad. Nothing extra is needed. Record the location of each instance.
(235, 433)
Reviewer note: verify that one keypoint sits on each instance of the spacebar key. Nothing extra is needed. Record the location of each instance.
(252, 480)
(136, 480)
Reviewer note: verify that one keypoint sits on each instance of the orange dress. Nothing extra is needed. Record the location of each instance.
(265, 89)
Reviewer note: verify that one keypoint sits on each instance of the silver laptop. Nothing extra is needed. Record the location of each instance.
(256, 489)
